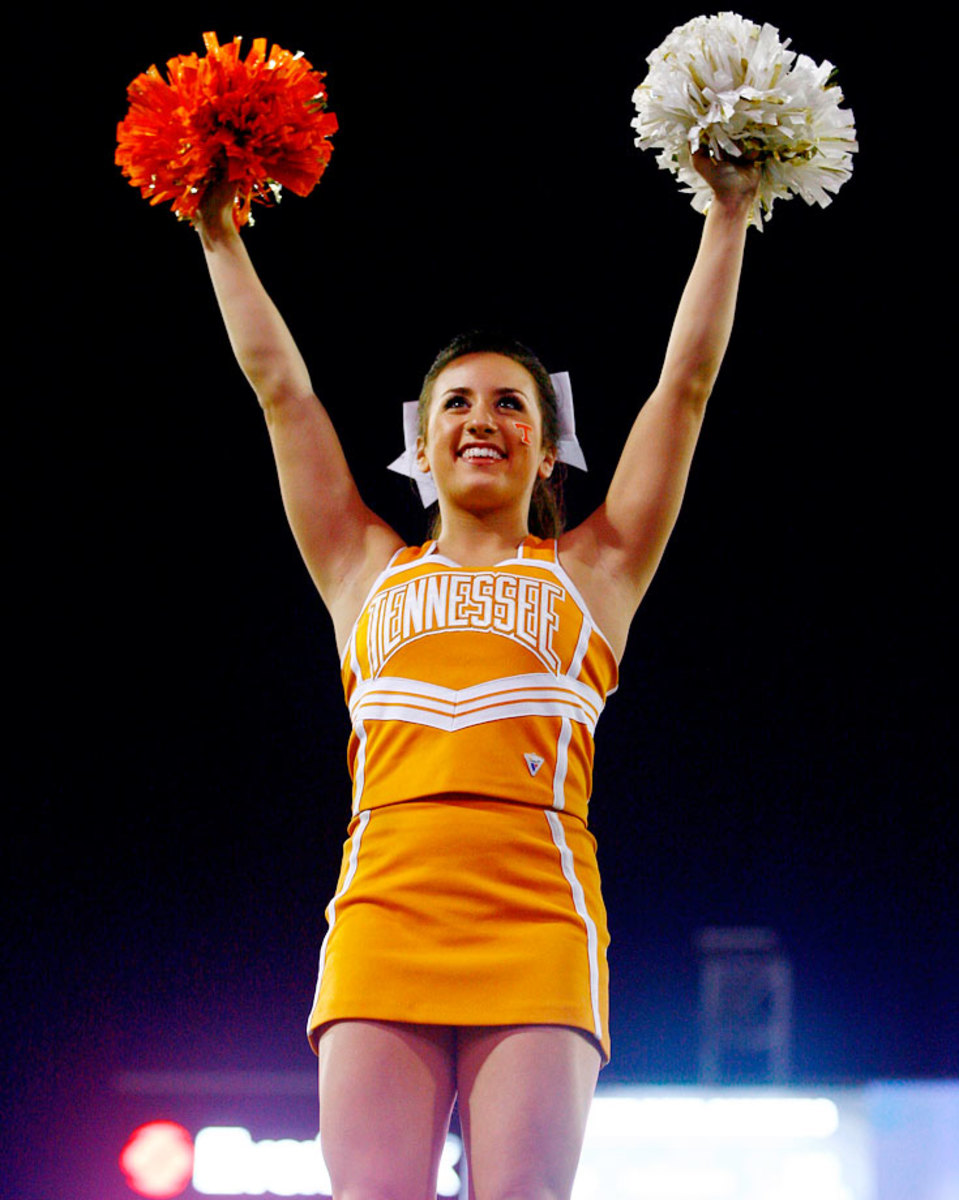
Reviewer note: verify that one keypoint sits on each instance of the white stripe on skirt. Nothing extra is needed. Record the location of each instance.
(579, 903)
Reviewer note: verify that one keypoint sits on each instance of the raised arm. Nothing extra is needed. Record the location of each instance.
(343, 543)
(615, 552)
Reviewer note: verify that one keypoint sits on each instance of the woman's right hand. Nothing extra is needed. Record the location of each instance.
(215, 214)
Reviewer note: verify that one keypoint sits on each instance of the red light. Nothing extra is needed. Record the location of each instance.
(158, 1160)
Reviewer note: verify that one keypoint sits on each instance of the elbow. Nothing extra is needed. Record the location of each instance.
(689, 392)
(696, 391)
(275, 386)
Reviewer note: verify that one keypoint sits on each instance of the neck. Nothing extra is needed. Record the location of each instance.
(477, 540)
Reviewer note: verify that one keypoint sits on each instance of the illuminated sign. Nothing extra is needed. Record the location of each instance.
(700, 1146)
(643, 1144)
(160, 1160)
(697, 1117)
(230, 1163)
(882, 1141)
(157, 1160)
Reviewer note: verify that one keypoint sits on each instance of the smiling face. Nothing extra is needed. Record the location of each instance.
(483, 438)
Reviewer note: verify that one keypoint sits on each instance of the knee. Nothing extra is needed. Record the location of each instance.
(391, 1185)
(376, 1191)
(377, 1179)
(523, 1188)
(531, 1192)
(364, 1193)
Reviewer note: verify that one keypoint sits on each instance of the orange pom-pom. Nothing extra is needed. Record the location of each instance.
(259, 122)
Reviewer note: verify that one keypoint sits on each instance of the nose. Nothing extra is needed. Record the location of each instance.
(482, 419)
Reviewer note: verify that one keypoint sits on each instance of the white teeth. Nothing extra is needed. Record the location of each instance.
(489, 452)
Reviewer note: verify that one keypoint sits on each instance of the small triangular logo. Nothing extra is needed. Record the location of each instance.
(534, 762)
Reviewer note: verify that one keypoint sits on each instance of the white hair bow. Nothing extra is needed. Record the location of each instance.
(567, 451)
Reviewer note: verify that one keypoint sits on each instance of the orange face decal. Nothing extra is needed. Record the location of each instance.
(525, 432)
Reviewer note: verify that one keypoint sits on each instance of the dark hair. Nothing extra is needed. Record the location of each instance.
(546, 516)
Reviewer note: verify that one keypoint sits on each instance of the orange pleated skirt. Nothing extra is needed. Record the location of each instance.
(464, 911)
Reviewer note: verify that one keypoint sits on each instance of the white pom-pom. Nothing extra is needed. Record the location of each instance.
(727, 85)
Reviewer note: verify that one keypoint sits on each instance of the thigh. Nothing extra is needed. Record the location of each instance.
(386, 1091)
(524, 1096)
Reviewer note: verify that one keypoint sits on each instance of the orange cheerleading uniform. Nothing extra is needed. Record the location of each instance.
(469, 892)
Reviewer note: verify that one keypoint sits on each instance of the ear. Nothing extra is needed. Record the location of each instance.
(422, 462)
(546, 466)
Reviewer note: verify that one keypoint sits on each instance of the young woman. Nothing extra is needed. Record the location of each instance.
(466, 946)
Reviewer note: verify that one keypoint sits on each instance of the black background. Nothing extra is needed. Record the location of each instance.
(779, 750)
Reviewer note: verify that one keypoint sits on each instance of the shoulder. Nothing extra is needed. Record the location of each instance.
(355, 588)
(608, 592)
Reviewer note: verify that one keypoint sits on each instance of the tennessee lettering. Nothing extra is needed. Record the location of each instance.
(511, 605)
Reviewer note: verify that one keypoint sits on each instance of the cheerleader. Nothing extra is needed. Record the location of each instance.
(466, 948)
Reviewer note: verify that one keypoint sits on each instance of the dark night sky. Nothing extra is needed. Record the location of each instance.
(779, 749)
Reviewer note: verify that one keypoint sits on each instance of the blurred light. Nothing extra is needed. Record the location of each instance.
(818, 1175)
(449, 1182)
(230, 1163)
(157, 1160)
(882, 1142)
(677, 1183)
(753, 1117)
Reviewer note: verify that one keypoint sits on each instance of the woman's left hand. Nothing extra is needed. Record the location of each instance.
(730, 178)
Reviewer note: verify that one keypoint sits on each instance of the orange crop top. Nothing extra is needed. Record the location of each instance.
(484, 681)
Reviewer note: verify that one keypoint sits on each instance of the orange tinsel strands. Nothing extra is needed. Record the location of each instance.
(258, 122)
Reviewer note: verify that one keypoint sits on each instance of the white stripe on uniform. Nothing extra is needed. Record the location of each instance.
(579, 903)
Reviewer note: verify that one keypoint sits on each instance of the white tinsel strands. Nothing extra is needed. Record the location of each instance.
(730, 86)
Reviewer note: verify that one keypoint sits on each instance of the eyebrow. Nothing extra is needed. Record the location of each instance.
(500, 391)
